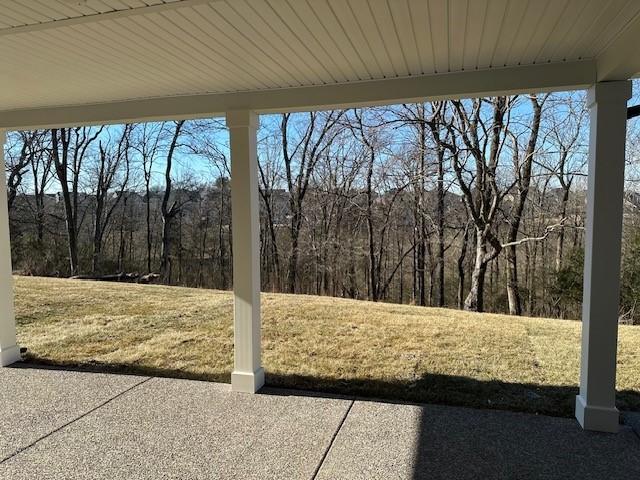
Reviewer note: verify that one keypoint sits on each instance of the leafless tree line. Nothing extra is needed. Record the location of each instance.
(475, 204)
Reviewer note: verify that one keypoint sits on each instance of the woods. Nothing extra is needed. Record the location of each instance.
(476, 204)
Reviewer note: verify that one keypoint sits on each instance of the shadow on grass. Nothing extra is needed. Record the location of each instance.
(454, 390)
(554, 400)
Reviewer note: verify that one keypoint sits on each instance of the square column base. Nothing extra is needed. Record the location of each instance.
(247, 382)
(599, 419)
(9, 355)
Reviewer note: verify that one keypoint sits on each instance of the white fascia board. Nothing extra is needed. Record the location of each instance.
(496, 81)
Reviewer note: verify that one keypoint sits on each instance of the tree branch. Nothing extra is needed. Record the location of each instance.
(547, 231)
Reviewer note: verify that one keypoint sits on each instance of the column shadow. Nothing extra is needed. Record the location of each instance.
(496, 439)
(553, 400)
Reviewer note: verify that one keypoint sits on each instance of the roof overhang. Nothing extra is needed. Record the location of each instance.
(500, 81)
(87, 62)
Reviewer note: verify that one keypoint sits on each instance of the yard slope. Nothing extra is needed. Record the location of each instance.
(334, 345)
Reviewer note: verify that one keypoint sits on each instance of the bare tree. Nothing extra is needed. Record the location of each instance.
(481, 140)
(69, 147)
(147, 144)
(269, 167)
(169, 212)
(113, 166)
(377, 235)
(300, 159)
(23, 148)
(41, 175)
(564, 136)
(522, 168)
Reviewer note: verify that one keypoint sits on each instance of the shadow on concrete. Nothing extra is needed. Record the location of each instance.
(554, 400)
(448, 442)
(474, 444)
(514, 431)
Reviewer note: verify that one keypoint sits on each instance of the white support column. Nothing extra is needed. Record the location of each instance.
(248, 374)
(596, 403)
(9, 351)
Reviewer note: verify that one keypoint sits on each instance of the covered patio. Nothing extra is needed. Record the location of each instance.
(78, 425)
(73, 62)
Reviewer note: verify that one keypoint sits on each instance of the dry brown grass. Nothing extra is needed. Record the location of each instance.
(336, 345)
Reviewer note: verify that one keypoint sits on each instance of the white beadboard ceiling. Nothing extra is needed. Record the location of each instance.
(75, 52)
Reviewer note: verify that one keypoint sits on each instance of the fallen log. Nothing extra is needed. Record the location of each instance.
(149, 278)
(120, 277)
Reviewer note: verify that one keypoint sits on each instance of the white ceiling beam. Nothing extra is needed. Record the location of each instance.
(468, 84)
(620, 60)
(101, 17)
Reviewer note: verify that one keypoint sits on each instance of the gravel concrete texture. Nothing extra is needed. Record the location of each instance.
(61, 425)
(384, 441)
(633, 420)
(36, 402)
(167, 428)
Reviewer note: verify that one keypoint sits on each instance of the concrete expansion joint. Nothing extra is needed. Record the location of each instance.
(89, 412)
(332, 441)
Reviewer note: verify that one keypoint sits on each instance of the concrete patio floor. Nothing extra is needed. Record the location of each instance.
(60, 424)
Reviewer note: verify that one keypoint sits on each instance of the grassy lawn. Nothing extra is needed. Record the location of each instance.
(333, 345)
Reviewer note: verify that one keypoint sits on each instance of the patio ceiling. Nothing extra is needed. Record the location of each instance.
(117, 60)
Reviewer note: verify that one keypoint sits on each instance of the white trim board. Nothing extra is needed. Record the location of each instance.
(496, 81)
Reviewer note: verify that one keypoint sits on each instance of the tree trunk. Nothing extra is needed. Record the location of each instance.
(97, 235)
(523, 175)
(475, 299)
(165, 253)
(148, 218)
(560, 239)
(440, 220)
(461, 266)
(73, 248)
(373, 267)
(168, 213)
(122, 247)
(513, 292)
(221, 244)
(61, 165)
(292, 277)
(275, 254)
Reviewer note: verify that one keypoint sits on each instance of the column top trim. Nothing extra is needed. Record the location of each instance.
(609, 92)
(242, 118)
